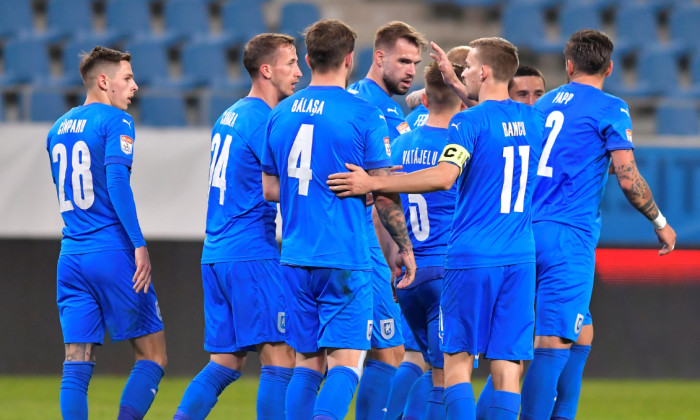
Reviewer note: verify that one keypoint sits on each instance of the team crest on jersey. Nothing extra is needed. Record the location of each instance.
(403, 127)
(387, 146)
(629, 135)
(127, 144)
(370, 324)
(281, 322)
(387, 328)
(158, 312)
(579, 323)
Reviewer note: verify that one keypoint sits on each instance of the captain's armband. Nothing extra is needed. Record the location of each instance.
(454, 153)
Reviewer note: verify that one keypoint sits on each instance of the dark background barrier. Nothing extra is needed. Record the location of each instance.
(644, 329)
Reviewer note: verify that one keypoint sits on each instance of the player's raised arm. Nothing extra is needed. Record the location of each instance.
(451, 80)
(639, 195)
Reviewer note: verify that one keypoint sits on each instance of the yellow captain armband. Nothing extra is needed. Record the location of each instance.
(454, 153)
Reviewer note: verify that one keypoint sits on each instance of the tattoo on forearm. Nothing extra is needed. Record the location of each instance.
(391, 214)
(636, 189)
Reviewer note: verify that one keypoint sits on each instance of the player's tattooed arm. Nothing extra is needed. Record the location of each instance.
(633, 184)
(391, 214)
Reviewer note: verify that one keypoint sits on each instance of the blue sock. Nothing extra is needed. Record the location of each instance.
(301, 393)
(569, 386)
(459, 402)
(405, 376)
(436, 405)
(540, 384)
(204, 390)
(418, 395)
(74, 387)
(504, 406)
(334, 399)
(140, 390)
(272, 391)
(484, 401)
(373, 392)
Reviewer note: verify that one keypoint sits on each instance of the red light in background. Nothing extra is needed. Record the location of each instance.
(646, 266)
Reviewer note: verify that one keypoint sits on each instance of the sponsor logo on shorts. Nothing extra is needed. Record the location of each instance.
(387, 328)
(370, 323)
(281, 322)
(158, 312)
(579, 323)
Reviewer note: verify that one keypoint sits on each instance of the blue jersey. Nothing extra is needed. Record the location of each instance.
(80, 145)
(492, 223)
(429, 216)
(370, 91)
(417, 117)
(240, 223)
(587, 124)
(311, 135)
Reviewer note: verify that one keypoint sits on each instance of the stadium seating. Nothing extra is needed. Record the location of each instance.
(15, 18)
(676, 117)
(658, 74)
(162, 108)
(26, 60)
(296, 16)
(44, 104)
(577, 16)
(70, 59)
(684, 25)
(70, 18)
(185, 19)
(218, 101)
(149, 59)
(531, 35)
(128, 18)
(2, 108)
(635, 26)
(242, 20)
(205, 62)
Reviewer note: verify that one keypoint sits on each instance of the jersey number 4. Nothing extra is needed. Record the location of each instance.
(301, 155)
(81, 179)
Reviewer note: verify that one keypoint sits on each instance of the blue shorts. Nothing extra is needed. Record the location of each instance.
(243, 305)
(421, 308)
(386, 330)
(489, 311)
(327, 308)
(94, 293)
(410, 343)
(564, 279)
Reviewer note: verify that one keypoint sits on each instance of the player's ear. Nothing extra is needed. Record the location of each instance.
(570, 68)
(266, 71)
(424, 100)
(102, 81)
(609, 70)
(349, 60)
(379, 57)
(306, 58)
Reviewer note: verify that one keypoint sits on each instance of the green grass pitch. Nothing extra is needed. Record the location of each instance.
(36, 397)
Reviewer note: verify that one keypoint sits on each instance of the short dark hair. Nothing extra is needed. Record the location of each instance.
(458, 55)
(439, 94)
(525, 71)
(387, 35)
(328, 41)
(98, 57)
(589, 50)
(499, 54)
(262, 49)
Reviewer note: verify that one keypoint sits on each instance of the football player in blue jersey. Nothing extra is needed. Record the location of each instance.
(104, 271)
(527, 86)
(429, 218)
(397, 51)
(325, 257)
(487, 303)
(243, 296)
(419, 115)
(589, 130)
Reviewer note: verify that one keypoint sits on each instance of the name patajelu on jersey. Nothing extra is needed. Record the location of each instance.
(312, 107)
(420, 157)
(72, 126)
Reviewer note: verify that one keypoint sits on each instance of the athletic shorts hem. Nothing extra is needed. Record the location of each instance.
(228, 349)
(137, 334)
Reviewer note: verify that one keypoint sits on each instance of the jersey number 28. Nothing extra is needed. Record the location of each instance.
(81, 180)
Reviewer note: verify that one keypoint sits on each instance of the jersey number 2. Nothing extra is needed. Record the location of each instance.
(301, 154)
(509, 155)
(81, 180)
(555, 119)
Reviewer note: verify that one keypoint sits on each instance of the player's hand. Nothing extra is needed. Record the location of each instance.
(406, 260)
(667, 237)
(444, 64)
(348, 184)
(395, 170)
(142, 277)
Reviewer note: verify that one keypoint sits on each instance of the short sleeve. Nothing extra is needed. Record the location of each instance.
(377, 144)
(462, 135)
(119, 139)
(267, 158)
(616, 127)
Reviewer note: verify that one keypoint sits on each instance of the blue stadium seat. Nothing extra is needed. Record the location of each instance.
(26, 60)
(363, 61)
(242, 20)
(658, 74)
(128, 18)
(635, 26)
(44, 104)
(576, 16)
(67, 18)
(296, 16)
(677, 117)
(205, 62)
(2, 108)
(15, 18)
(70, 57)
(525, 26)
(186, 18)
(684, 25)
(162, 108)
(219, 101)
(149, 60)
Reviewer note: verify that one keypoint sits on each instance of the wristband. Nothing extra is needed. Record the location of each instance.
(660, 222)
